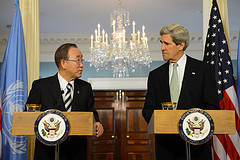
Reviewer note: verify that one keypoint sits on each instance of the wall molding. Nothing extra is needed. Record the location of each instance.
(50, 42)
(48, 39)
(137, 83)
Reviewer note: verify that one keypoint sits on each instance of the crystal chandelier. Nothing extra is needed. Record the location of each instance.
(117, 53)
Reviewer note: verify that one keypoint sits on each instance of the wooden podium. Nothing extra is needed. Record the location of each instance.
(80, 123)
(166, 121)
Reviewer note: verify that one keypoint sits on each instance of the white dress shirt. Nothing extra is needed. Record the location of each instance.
(180, 69)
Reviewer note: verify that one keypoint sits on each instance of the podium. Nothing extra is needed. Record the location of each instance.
(80, 123)
(166, 121)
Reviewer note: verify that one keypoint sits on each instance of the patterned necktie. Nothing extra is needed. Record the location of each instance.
(67, 98)
(174, 86)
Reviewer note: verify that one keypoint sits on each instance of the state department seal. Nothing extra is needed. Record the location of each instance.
(196, 126)
(51, 127)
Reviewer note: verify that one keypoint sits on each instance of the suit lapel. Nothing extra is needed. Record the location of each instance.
(56, 92)
(190, 71)
(77, 93)
(164, 82)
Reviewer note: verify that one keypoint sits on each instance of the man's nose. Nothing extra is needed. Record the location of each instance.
(162, 47)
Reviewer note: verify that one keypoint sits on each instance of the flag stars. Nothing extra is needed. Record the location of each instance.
(225, 81)
(216, 52)
(227, 71)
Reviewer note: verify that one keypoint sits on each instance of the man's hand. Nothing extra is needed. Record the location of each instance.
(99, 129)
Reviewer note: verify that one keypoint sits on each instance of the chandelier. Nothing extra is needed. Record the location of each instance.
(116, 53)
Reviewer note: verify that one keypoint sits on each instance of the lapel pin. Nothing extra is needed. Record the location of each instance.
(193, 73)
(78, 92)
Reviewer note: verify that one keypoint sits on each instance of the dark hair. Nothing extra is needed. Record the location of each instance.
(62, 52)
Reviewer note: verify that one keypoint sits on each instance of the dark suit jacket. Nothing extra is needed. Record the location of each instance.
(198, 91)
(48, 93)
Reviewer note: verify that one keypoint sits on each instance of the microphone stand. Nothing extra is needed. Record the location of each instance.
(57, 152)
(58, 146)
(188, 151)
(60, 97)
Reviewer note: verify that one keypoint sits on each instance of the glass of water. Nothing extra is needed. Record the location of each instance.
(169, 105)
(33, 107)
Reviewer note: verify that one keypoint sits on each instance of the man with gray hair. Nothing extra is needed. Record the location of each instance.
(186, 81)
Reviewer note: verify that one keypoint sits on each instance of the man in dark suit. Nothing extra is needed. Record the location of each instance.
(51, 92)
(196, 89)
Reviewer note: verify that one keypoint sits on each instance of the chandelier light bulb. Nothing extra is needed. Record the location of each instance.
(133, 27)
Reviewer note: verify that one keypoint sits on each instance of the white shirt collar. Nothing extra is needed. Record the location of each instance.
(63, 83)
(182, 61)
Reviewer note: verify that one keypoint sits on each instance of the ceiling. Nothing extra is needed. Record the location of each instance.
(82, 16)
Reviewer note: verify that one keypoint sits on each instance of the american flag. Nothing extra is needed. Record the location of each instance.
(225, 147)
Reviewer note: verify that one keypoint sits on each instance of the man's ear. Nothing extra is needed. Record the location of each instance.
(63, 64)
(181, 46)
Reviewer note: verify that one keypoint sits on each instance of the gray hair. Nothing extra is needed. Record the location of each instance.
(177, 32)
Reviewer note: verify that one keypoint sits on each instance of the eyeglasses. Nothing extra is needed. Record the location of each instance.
(77, 60)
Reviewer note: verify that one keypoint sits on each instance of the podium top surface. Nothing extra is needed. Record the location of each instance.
(80, 123)
(167, 121)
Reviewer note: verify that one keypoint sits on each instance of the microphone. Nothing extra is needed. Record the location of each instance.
(58, 102)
